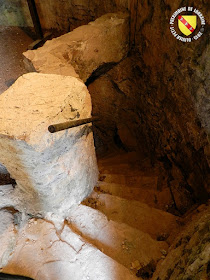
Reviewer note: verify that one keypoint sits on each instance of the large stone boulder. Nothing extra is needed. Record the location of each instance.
(53, 171)
(85, 49)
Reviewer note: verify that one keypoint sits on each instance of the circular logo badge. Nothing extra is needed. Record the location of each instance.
(187, 24)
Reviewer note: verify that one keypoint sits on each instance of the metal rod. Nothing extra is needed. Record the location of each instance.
(35, 18)
(62, 126)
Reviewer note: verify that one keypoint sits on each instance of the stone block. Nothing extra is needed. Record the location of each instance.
(53, 171)
(85, 49)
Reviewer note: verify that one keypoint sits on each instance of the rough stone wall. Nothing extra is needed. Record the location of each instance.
(66, 15)
(159, 95)
(136, 116)
(115, 98)
(174, 84)
(62, 15)
(189, 255)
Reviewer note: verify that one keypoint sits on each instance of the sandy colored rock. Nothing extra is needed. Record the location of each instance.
(39, 251)
(148, 195)
(119, 241)
(85, 49)
(52, 171)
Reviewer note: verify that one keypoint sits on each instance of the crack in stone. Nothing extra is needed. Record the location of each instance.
(58, 234)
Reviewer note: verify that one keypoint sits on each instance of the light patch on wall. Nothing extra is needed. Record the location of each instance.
(15, 13)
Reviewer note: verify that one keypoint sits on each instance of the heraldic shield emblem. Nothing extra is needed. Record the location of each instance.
(187, 24)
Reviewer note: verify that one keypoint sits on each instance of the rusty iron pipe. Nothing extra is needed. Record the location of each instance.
(70, 124)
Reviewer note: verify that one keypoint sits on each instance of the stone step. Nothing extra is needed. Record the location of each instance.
(41, 252)
(128, 246)
(155, 222)
(157, 199)
(122, 169)
(130, 157)
(129, 170)
(114, 152)
(149, 182)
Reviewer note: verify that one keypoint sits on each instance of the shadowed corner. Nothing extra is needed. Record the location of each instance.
(5, 276)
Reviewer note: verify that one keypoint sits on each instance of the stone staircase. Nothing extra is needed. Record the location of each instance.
(123, 216)
(122, 219)
(116, 233)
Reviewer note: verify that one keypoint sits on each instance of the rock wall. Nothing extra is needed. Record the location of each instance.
(159, 95)
(62, 15)
(174, 97)
(71, 14)
(136, 117)
(115, 97)
(189, 255)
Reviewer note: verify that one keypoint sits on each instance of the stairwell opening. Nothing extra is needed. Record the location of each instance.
(136, 118)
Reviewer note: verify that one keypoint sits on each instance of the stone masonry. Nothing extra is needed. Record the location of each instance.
(53, 171)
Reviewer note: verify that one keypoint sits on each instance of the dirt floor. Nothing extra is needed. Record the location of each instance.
(13, 42)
